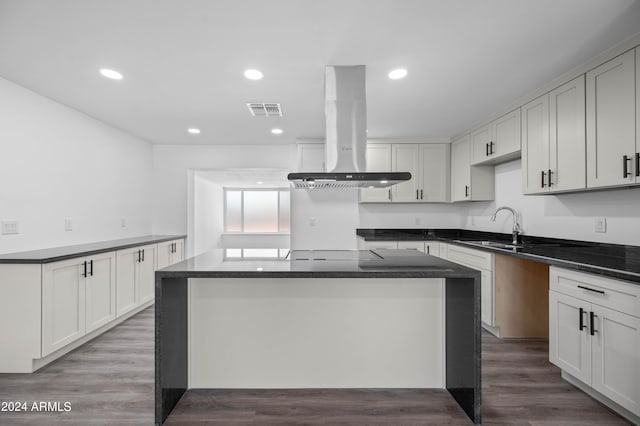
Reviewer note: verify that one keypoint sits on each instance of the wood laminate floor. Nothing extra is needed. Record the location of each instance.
(110, 381)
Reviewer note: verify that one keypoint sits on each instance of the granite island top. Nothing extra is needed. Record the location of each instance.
(611, 260)
(56, 254)
(322, 264)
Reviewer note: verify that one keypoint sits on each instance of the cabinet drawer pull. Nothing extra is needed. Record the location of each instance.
(593, 330)
(84, 274)
(581, 321)
(389, 195)
(427, 249)
(466, 190)
(486, 149)
(550, 173)
(591, 289)
(421, 197)
(417, 192)
(625, 168)
(91, 265)
(542, 178)
(143, 255)
(491, 148)
(637, 163)
(139, 256)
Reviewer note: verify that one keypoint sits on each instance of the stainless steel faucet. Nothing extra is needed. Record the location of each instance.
(517, 229)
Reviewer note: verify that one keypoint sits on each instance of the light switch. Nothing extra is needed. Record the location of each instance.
(68, 225)
(600, 224)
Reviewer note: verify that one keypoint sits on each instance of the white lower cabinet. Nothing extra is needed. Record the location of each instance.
(136, 277)
(592, 339)
(78, 296)
(482, 261)
(169, 252)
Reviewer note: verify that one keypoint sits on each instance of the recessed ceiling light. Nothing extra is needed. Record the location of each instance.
(193, 131)
(112, 74)
(276, 131)
(253, 74)
(398, 73)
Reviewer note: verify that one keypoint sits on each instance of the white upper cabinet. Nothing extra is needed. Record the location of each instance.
(311, 157)
(469, 183)
(428, 163)
(535, 146)
(567, 140)
(434, 172)
(498, 141)
(553, 140)
(611, 123)
(405, 157)
(378, 160)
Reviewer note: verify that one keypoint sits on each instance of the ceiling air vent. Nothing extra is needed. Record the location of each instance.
(259, 109)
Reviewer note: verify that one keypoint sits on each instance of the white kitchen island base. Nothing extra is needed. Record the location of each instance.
(316, 333)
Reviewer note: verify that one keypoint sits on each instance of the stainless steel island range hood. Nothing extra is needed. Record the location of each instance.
(346, 136)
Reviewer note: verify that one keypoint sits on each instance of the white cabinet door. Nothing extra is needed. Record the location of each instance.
(569, 344)
(460, 170)
(100, 289)
(163, 254)
(535, 146)
(311, 157)
(432, 248)
(378, 160)
(567, 141)
(146, 274)
(406, 158)
(611, 121)
(435, 160)
(486, 297)
(616, 357)
(63, 304)
(127, 271)
(416, 245)
(480, 141)
(506, 135)
(177, 255)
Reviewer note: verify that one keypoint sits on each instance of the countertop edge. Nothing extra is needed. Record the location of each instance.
(77, 251)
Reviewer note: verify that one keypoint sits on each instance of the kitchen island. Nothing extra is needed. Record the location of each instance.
(319, 319)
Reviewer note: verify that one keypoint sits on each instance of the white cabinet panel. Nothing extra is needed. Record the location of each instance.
(127, 271)
(469, 183)
(406, 158)
(569, 346)
(535, 146)
(378, 160)
(506, 135)
(169, 252)
(311, 157)
(567, 140)
(486, 297)
(100, 291)
(435, 162)
(146, 273)
(616, 357)
(611, 122)
(63, 307)
(432, 248)
(480, 144)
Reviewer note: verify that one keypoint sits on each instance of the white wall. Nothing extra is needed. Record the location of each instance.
(410, 216)
(57, 163)
(569, 216)
(207, 215)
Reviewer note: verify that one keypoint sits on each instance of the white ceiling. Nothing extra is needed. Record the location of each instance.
(183, 60)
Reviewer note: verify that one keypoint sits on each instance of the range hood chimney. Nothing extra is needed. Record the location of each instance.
(346, 136)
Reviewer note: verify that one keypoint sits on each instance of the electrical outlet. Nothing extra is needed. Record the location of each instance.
(68, 225)
(600, 224)
(9, 227)
(123, 223)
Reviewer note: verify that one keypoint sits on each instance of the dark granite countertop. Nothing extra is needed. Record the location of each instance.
(55, 254)
(322, 264)
(611, 260)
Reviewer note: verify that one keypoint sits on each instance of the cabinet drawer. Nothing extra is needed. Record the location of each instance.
(614, 294)
(470, 257)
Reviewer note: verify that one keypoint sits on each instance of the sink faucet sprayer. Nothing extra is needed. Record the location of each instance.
(516, 226)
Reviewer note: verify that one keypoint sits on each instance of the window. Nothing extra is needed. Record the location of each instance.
(256, 222)
(256, 210)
